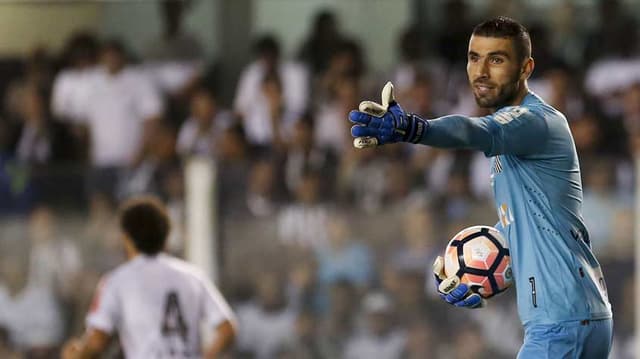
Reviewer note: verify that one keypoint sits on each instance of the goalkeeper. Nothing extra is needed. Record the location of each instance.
(535, 176)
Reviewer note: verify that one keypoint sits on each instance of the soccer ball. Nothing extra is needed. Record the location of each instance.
(479, 256)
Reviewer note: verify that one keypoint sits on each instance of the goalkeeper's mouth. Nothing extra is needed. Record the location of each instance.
(482, 89)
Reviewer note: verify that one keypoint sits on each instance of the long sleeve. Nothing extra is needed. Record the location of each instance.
(512, 130)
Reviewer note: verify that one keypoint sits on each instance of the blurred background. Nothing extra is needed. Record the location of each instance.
(234, 112)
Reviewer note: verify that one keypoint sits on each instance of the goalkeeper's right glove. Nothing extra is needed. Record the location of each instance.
(377, 124)
(452, 291)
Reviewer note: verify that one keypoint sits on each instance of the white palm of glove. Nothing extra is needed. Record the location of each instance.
(452, 290)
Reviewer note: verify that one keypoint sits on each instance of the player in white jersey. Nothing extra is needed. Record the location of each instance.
(156, 304)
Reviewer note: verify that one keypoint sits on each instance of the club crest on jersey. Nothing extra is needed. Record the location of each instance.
(509, 114)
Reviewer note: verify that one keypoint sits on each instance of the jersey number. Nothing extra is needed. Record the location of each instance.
(173, 321)
(532, 281)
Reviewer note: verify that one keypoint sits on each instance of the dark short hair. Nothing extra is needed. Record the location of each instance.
(145, 220)
(267, 45)
(505, 27)
(116, 45)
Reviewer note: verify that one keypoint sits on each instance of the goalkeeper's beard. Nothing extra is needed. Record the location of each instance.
(505, 97)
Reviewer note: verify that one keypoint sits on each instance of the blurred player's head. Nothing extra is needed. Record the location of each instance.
(499, 62)
(145, 224)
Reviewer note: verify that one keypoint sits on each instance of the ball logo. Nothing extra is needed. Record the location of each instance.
(480, 252)
(508, 274)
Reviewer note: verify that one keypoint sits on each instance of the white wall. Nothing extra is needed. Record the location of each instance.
(25, 26)
(377, 23)
(138, 23)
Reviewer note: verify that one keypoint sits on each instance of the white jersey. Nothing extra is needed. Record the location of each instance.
(157, 305)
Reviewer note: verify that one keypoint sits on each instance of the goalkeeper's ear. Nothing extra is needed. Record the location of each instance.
(376, 109)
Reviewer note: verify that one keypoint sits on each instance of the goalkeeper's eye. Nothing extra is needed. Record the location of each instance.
(496, 60)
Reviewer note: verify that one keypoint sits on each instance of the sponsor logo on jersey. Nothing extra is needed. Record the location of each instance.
(506, 217)
(505, 116)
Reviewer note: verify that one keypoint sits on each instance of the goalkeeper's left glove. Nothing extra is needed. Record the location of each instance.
(378, 124)
(452, 291)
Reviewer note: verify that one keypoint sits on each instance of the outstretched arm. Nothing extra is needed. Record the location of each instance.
(511, 130)
(457, 131)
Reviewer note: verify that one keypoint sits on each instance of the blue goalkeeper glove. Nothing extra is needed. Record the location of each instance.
(378, 124)
(452, 291)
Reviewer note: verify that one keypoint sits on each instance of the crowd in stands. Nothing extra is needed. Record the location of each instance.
(325, 249)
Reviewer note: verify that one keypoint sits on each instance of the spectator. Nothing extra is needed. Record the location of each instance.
(418, 245)
(609, 38)
(416, 65)
(331, 129)
(468, 344)
(410, 297)
(600, 206)
(54, 262)
(419, 96)
(587, 135)
(175, 58)
(233, 167)
(69, 88)
(41, 140)
(379, 338)
(6, 348)
(158, 160)
(346, 62)
(303, 223)
(100, 234)
(320, 44)
(454, 34)
(279, 118)
(361, 179)
(29, 309)
(173, 188)
(199, 134)
(631, 109)
(174, 44)
(421, 341)
(558, 87)
(338, 323)
(252, 99)
(38, 74)
(302, 281)
(303, 155)
(343, 258)
(304, 344)
(625, 343)
(262, 196)
(266, 324)
(121, 103)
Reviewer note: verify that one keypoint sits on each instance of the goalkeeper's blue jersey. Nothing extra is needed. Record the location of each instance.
(535, 176)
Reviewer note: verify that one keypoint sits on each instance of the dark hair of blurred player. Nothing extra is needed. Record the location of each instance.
(502, 80)
(146, 223)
